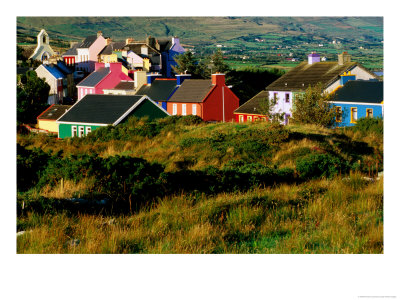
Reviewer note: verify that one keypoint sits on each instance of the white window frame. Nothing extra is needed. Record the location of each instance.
(74, 131)
(174, 109)
(88, 130)
(81, 131)
(194, 109)
(241, 118)
(184, 109)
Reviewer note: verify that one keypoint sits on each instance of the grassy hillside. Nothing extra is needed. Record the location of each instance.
(182, 186)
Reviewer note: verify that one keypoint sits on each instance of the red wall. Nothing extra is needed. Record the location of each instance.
(246, 115)
(214, 104)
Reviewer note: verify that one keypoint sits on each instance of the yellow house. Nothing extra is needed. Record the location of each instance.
(47, 119)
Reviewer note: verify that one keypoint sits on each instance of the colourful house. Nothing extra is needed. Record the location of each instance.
(88, 51)
(169, 48)
(47, 119)
(70, 56)
(95, 111)
(161, 90)
(253, 109)
(211, 100)
(60, 80)
(105, 76)
(151, 57)
(310, 73)
(358, 99)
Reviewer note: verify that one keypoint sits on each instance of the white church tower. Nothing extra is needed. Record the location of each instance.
(43, 50)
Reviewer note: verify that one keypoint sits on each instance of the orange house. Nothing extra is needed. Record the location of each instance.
(210, 100)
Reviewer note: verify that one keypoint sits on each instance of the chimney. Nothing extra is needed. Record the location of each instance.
(140, 79)
(99, 33)
(346, 77)
(344, 58)
(313, 58)
(129, 41)
(151, 77)
(108, 41)
(218, 79)
(71, 44)
(175, 40)
(180, 78)
(115, 67)
(144, 50)
(146, 64)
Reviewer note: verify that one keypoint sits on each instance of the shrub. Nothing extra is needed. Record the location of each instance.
(29, 164)
(317, 165)
(367, 125)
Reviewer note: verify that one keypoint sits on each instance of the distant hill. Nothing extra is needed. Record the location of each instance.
(198, 30)
(245, 41)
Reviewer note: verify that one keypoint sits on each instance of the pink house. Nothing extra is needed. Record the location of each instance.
(87, 51)
(105, 76)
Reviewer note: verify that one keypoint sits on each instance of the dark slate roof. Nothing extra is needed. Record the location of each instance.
(95, 77)
(136, 48)
(125, 85)
(54, 112)
(304, 75)
(72, 50)
(193, 90)
(88, 41)
(252, 106)
(369, 91)
(100, 109)
(113, 46)
(159, 90)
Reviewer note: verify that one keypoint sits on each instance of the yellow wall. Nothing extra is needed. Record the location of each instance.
(109, 58)
(51, 126)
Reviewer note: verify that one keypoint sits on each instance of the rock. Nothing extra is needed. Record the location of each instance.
(73, 242)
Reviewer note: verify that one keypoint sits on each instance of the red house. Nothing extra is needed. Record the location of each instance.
(105, 76)
(210, 100)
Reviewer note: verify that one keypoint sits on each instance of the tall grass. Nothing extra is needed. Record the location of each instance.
(320, 216)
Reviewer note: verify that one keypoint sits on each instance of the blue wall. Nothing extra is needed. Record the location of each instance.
(361, 112)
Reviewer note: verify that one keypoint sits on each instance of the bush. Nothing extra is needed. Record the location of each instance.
(367, 125)
(317, 165)
(29, 165)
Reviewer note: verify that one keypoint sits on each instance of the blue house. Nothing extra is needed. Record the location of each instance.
(358, 99)
(169, 48)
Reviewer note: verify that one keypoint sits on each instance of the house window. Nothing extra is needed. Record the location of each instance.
(264, 118)
(174, 109)
(88, 130)
(249, 118)
(85, 91)
(353, 115)
(183, 109)
(241, 118)
(275, 96)
(369, 113)
(81, 131)
(287, 100)
(91, 91)
(194, 109)
(338, 114)
(74, 131)
(255, 119)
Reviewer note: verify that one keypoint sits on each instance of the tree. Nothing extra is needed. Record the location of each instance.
(266, 107)
(186, 63)
(32, 95)
(313, 107)
(218, 64)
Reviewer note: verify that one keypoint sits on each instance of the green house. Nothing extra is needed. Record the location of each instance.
(94, 111)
